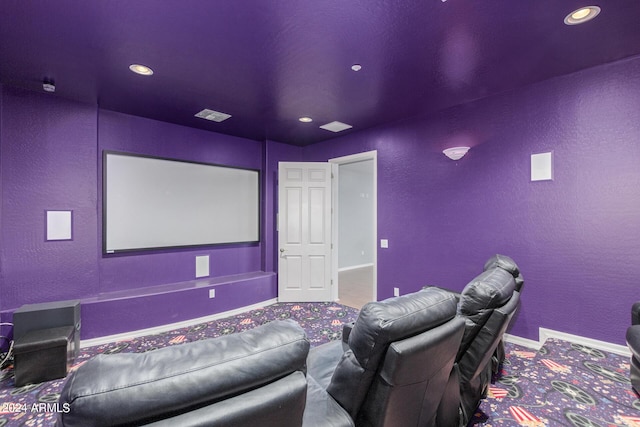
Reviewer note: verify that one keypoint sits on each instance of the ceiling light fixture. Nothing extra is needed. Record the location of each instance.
(356, 67)
(456, 153)
(305, 119)
(582, 15)
(143, 70)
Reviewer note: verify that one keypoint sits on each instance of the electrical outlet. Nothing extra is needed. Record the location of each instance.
(396, 292)
(212, 293)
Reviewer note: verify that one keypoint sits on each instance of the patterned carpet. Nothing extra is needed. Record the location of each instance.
(563, 384)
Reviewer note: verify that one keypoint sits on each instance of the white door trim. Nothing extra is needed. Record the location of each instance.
(367, 155)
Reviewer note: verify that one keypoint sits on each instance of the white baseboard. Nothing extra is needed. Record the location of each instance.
(164, 328)
(544, 334)
(524, 342)
(355, 267)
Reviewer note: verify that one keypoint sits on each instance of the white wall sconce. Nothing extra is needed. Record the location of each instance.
(456, 153)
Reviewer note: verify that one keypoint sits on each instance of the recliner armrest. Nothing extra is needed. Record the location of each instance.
(346, 331)
(633, 340)
(635, 313)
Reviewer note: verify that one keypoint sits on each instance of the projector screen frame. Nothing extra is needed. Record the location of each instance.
(112, 252)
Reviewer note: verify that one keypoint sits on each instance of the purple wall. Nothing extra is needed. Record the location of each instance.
(576, 238)
(50, 158)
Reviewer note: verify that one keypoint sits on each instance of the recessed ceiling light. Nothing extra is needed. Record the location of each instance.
(356, 67)
(336, 126)
(143, 70)
(305, 119)
(582, 15)
(214, 116)
(48, 86)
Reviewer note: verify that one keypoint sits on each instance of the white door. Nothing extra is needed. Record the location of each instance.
(304, 231)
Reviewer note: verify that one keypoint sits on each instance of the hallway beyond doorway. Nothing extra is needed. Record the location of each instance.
(355, 286)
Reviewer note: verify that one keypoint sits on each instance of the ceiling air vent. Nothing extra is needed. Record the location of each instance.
(336, 126)
(214, 116)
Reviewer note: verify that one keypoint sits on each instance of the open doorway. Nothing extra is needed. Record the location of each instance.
(355, 193)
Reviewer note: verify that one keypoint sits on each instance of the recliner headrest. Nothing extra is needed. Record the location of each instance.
(508, 264)
(479, 299)
(381, 323)
(488, 290)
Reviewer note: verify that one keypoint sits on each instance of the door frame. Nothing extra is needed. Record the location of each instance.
(367, 155)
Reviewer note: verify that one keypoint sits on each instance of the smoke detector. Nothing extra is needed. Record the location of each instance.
(214, 116)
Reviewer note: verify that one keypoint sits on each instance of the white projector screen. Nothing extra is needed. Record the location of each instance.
(153, 203)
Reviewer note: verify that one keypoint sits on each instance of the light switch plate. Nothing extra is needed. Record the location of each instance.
(384, 243)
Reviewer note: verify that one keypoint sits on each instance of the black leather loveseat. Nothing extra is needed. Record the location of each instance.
(633, 342)
(253, 378)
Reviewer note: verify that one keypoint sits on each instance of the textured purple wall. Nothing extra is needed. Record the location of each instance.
(576, 238)
(48, 162)
(2, 330)
(50, 156)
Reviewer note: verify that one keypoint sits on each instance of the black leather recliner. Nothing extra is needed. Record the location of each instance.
(253, 378)
(486, 304)
(391, 368)
(633, 342)
(506, 263)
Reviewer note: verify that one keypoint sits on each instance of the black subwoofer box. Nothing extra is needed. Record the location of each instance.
(46, 340)
(43, 355)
